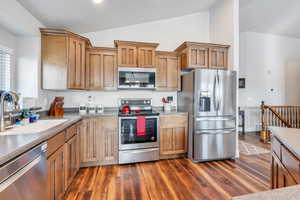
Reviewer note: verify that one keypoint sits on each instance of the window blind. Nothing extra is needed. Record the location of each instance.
(5, 69)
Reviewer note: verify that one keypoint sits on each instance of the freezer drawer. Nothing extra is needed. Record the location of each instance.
(214, 145)
(213, 123)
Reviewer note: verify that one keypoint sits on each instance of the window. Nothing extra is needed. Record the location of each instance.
(5, 68)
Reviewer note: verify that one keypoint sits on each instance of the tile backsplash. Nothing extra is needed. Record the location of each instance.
(109, 99)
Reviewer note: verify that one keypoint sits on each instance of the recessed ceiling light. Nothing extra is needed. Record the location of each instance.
(97, 1)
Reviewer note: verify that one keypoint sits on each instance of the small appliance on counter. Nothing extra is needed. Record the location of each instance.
(167, 102)
(138, 131)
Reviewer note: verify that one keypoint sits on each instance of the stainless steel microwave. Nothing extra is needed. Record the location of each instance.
(136, 78)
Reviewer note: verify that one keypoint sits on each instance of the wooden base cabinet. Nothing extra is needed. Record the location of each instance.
(55, 170)
(99, 141)
(167, 71)
(173, 135)
(285, 167)
(62, 161)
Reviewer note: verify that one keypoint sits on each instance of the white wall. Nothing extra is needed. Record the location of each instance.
(170, 33)
(7, 39)
(268, 62)
(15, 18)
(224, 28)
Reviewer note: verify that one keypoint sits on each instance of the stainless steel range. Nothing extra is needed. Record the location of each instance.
(138, 131)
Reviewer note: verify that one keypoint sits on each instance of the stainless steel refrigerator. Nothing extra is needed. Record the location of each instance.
(209, 96)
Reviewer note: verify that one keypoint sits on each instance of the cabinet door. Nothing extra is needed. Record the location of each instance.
(89, 140)
(180, 140)
(101, 70)
(198, 57)
(127, 56)
(71, 160)
(109, 140)
(146, 57)
(76, 60)
(218, 58)
(166, 141)
(168, 73)
(55, 168)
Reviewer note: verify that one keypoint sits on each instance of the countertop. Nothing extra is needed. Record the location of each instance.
(12, 146)
(290, 137)
(287, 193)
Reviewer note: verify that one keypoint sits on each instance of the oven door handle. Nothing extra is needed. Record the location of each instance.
(147, 117)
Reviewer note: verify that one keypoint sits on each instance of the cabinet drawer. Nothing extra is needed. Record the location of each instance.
(55, 142)
(276, 147)
(291, 163)
(171, 121)
(71, 131)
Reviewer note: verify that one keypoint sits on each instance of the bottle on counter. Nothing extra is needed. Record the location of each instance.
(91, 105)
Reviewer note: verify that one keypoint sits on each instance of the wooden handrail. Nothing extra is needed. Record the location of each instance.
(281, 116)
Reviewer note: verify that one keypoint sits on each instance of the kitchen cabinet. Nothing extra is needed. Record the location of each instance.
(63, 59)
(99, 141)
(146, 57)
(203, 55)
(76, 64)
(71, 159)
(62, 161)
(173, 135)
(89, 142)
(55, 174)
(101, 69)
(108, 141)
(136, 54)
(285, 167)
(218, 58)
(167, 71)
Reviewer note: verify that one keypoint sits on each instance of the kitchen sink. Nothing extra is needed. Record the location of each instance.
(37, 127)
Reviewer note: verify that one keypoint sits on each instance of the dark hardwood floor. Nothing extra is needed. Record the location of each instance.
(173, 179)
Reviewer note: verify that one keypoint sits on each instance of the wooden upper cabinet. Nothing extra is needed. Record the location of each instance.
(167, 71)
(203, 55)
(146, 57)
(101, 69)
(63, 59)
(136, 54)
(76, 65)
(218, 58)
(127, 56)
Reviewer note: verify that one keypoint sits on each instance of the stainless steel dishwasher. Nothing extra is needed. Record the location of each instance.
(25, 178)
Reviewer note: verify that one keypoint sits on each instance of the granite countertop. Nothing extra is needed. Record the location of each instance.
(290, 137)
(172, 112)
(287, 193)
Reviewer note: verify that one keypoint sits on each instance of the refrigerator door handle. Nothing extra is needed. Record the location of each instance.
(221, 131)
(214, 92)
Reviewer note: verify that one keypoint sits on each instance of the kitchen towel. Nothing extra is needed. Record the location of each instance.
(141, 126)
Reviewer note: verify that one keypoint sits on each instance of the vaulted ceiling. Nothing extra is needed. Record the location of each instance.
(271, 16)
(84, 16)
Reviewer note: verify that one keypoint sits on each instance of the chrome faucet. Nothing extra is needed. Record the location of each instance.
(2, 100)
